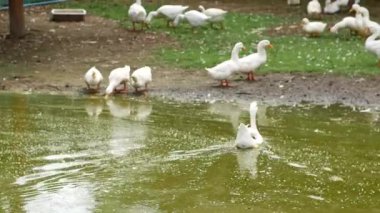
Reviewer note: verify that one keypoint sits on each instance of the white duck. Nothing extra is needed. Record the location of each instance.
(118, 76)
(368, 24)
(170, 12)
(331, 7)
(224, 70)
(314, 9)
(353, 23)
(254, 61)
(141, 78)
(216, 15)
(313, 28)
(373, 45)
(194, 17)
(93, 77)
(249, 137)
(137, 14)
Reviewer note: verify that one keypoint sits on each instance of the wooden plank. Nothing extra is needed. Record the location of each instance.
(16, 18)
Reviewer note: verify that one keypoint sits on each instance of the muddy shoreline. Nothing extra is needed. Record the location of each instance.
(196, 86)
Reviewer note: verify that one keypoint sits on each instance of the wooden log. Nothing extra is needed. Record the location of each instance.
(16, 18)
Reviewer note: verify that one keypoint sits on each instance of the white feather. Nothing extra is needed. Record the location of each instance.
(141, 77)
(93, 77)
(117, 76)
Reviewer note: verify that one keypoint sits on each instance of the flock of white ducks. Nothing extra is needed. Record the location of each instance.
(361, 24)
(248, 136)
(119, 77)
(174, 14)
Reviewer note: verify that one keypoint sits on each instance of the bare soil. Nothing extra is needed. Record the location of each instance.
(53, 58)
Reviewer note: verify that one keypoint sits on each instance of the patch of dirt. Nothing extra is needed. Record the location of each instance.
(53, 58)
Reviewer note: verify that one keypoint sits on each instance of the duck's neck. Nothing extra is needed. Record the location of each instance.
(360, 21)
(202, 8)
(374, 36)
(365, 14)
(138, 2)
(261, 50)
(235, 54)
(255, 133)
(253, 120)
(178, 19)
(150, 16)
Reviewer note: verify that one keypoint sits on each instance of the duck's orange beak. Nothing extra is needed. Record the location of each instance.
(270, 46)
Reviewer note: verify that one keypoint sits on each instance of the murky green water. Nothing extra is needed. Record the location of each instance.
(79, 154)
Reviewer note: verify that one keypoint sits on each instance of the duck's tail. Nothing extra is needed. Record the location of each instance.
(209, 70)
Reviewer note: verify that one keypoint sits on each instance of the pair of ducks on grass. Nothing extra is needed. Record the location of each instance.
(119, 76)
(248, 64)
(174, 14)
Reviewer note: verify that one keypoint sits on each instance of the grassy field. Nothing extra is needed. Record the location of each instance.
(207, 47)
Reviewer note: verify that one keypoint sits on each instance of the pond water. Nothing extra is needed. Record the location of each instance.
(83, 154)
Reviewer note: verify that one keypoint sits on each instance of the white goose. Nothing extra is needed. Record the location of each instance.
(314, 9)
(93, 77)
(216, 15)
(254, 61)
(249, 137)
(141, 78)
(170, 12)
(137, 14)
(331, 7)
(353, 23)
(368, 24)
(224, 70)
(118, 76)
(373, 45)
(313, 28)
(194, 17)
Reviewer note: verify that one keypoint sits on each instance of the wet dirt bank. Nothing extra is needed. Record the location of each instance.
(189, 86)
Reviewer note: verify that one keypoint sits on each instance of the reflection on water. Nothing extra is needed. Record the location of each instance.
(151, 156)
(69, 197)
(229, 110)
(94, 107)
(119, 109)
(247, 160)
(126, 135)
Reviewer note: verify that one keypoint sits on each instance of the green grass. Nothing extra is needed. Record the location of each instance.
(330, 53)
(207, 47)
